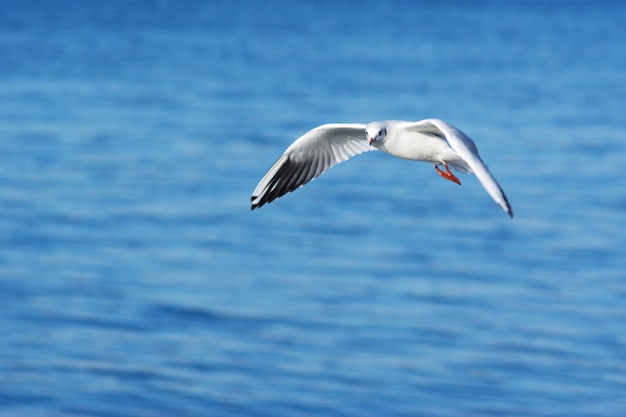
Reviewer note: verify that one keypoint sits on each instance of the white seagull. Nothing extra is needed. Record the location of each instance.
(430, 140)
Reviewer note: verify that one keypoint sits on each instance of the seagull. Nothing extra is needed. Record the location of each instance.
(429, 140)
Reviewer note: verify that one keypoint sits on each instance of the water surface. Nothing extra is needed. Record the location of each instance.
(134, 279)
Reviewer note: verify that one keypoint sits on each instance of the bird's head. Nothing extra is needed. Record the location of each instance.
(376, 132)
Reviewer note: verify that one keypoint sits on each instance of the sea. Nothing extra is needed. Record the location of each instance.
(135, 280)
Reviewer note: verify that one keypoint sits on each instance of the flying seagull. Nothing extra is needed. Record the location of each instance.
(429, 140)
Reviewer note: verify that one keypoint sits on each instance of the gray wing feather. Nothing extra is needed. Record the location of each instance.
(308, 157)
(467, 150)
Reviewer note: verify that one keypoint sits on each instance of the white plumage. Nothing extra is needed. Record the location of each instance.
(430, 140)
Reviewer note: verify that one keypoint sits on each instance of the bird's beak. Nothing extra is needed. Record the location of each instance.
(371, 141)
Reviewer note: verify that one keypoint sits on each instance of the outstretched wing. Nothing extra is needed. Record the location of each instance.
(467, 150)
(309, 156)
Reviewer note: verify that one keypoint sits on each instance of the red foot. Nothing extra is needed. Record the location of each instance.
(448, 175)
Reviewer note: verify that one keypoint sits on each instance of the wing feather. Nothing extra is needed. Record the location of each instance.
(465, 147)
(308, 157)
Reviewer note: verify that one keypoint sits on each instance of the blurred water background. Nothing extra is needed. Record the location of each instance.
(134, 280)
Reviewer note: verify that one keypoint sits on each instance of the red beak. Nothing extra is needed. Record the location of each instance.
(371, 140)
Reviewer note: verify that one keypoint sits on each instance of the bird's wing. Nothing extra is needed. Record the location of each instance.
(467, 150)
(308, 157)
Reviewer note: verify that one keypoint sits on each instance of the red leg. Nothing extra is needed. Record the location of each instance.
(448, 174)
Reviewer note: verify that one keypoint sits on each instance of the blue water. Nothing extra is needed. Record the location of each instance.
(134, 280)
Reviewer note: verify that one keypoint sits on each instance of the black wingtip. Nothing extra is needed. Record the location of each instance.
(253, 206)
(256, 205)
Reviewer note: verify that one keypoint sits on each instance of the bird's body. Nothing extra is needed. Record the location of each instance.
(415, 145)
(430, 140)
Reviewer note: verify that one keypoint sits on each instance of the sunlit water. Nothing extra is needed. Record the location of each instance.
(134, 280)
